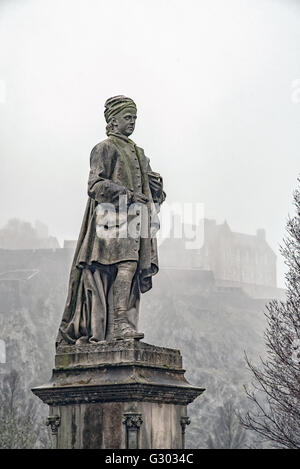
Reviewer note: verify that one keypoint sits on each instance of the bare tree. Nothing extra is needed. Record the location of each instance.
(19, 425)
(227, 432)
(276, 386)
(15, 420)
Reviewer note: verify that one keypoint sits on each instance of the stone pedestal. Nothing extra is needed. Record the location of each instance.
(123, 394)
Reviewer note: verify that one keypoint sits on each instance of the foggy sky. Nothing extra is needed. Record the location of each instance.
(215, 83)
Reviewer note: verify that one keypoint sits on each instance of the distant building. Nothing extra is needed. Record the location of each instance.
(235, 259)
(19, 235)
(223, 261)
(70, 244)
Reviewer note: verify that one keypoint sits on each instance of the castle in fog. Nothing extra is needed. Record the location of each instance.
(234, 259)
(224, 260)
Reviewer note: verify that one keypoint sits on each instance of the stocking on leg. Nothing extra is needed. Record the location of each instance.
(122, 287)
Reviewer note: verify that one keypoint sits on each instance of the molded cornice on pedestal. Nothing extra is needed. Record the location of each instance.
(119, 371)
(118, 393)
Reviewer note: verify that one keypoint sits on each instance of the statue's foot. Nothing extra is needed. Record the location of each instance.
(133, 335)
(124, 331)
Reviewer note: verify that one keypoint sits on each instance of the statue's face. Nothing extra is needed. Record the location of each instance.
(124, 122)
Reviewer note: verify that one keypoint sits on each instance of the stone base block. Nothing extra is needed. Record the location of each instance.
(124, 394)
(116, 425)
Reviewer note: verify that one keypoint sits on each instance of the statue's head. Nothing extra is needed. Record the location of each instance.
(120, 115)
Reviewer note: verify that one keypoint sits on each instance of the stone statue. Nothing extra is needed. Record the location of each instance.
(107, 392)
(116, 253)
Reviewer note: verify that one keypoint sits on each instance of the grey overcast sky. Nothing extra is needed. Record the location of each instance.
(218, 101)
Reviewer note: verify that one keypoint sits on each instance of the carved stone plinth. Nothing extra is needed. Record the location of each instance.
(123, 394)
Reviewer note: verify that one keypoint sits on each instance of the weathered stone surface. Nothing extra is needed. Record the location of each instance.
(118, 395)
(126, 370)
(100, 426)
(122, 351)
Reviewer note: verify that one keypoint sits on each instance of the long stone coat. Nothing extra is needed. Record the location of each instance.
(118, 168)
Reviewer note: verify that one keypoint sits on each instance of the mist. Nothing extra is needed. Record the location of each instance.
(216, 86)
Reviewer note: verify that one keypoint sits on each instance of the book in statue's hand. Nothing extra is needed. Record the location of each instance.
(154, 176)
(155, 181)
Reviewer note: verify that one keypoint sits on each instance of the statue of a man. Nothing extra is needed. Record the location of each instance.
(113, 264)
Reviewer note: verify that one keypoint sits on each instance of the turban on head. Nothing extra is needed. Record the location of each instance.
(117, 104)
